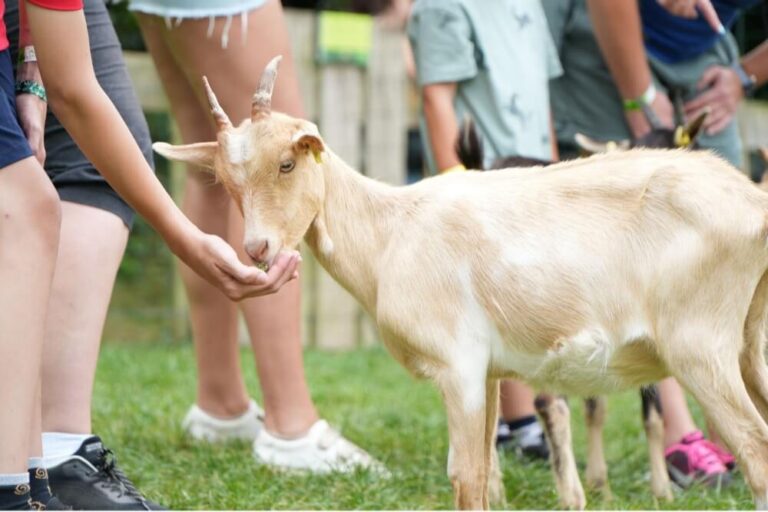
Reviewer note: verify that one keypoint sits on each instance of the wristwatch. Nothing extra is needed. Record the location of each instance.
(748, 82)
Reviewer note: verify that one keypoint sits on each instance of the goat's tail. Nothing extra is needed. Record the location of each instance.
(469, 145)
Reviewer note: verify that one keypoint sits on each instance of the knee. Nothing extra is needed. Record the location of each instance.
(43, 215)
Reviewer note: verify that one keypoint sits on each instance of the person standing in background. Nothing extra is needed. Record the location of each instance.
(230, 42)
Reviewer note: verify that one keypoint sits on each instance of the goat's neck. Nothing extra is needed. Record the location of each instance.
(350, 234)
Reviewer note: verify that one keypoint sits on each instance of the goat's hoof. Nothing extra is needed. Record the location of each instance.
(497, 496)
(577, 501)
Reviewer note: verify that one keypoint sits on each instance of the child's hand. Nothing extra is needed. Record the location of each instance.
(214, 260)
(31, 111)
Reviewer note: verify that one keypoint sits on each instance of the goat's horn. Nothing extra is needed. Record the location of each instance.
(262, 98)
(222, 120)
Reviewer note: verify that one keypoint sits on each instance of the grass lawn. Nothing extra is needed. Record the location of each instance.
(143, 391)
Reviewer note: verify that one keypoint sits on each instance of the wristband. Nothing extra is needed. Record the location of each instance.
(31, 87)
(455, 168)
(27, 54)
(645, 99)
(748, 82)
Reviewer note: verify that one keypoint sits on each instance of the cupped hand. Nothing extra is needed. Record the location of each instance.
(31, 112)
(216, 261)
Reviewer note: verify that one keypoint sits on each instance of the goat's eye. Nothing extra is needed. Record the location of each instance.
(287, 166)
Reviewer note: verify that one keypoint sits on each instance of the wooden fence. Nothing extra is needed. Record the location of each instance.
(362, 114)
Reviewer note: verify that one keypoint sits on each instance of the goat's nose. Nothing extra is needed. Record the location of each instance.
(257, 249)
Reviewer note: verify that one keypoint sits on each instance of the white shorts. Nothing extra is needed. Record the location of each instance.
(180, 9)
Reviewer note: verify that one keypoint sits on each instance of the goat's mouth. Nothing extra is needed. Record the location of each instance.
(261, 265)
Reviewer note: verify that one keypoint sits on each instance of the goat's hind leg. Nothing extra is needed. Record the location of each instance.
(654, 434)
(597, 471)
(752, 360)
(556, 418)
(715, 381)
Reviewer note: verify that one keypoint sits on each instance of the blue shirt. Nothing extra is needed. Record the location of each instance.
(673, 39)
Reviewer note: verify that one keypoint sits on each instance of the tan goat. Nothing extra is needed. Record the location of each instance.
(585, 277)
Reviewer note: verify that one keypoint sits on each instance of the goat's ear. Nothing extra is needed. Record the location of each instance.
(308, 141)
(201, 154)
(685, 136)
(591, 146)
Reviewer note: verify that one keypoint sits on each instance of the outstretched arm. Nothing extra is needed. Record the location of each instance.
(61, 42)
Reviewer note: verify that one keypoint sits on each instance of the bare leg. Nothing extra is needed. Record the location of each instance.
(516, 400)
(273, 322)
(91, 247)
(674, 410)
(29, 237)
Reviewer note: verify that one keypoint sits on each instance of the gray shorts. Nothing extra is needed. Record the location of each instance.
(75, 178)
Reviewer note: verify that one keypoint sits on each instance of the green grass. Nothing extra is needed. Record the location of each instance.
(144, 390)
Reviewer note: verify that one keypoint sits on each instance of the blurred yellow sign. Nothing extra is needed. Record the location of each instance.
(344, 37)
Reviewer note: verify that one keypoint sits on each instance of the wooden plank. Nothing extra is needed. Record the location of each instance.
(337, 312)
(302, 26)
(178, 176)
(386, 115)
(147, 84)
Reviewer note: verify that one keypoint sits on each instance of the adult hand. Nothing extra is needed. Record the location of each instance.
(688, 9)
(31, 111)
(661, 106)
(722, 93)
(214, 260)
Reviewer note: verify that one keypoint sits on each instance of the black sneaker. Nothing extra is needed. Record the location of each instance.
(91, 480)
(527, 441)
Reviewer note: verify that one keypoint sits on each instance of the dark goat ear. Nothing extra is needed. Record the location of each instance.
(469, 145)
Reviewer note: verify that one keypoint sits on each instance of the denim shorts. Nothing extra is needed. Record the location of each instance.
(194, 8)
(13, 143)
(74, 177)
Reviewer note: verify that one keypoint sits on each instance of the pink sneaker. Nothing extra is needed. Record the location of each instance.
(693, 460)
(724, 455)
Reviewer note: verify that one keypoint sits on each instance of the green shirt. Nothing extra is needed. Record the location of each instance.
(501, 55)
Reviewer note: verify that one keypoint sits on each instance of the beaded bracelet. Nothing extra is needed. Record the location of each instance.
(31, 87)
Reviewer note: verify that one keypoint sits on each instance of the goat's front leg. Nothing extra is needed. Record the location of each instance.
(556, 418)
(465, 400)
(654, 434)
(597, 471)
(496, 494)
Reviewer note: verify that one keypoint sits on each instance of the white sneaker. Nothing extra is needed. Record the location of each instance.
(321, 450)
(202, 426)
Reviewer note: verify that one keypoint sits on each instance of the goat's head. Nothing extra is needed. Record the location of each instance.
(683, 136)
(269, 164)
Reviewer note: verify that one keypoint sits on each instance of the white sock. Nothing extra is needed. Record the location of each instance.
(35, 462)
(11, 479)
(59, 446)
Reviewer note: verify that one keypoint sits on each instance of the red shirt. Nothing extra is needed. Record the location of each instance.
(58, 5)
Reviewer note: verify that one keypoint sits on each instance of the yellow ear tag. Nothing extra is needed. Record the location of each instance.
(682, 138)
(318, 156)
